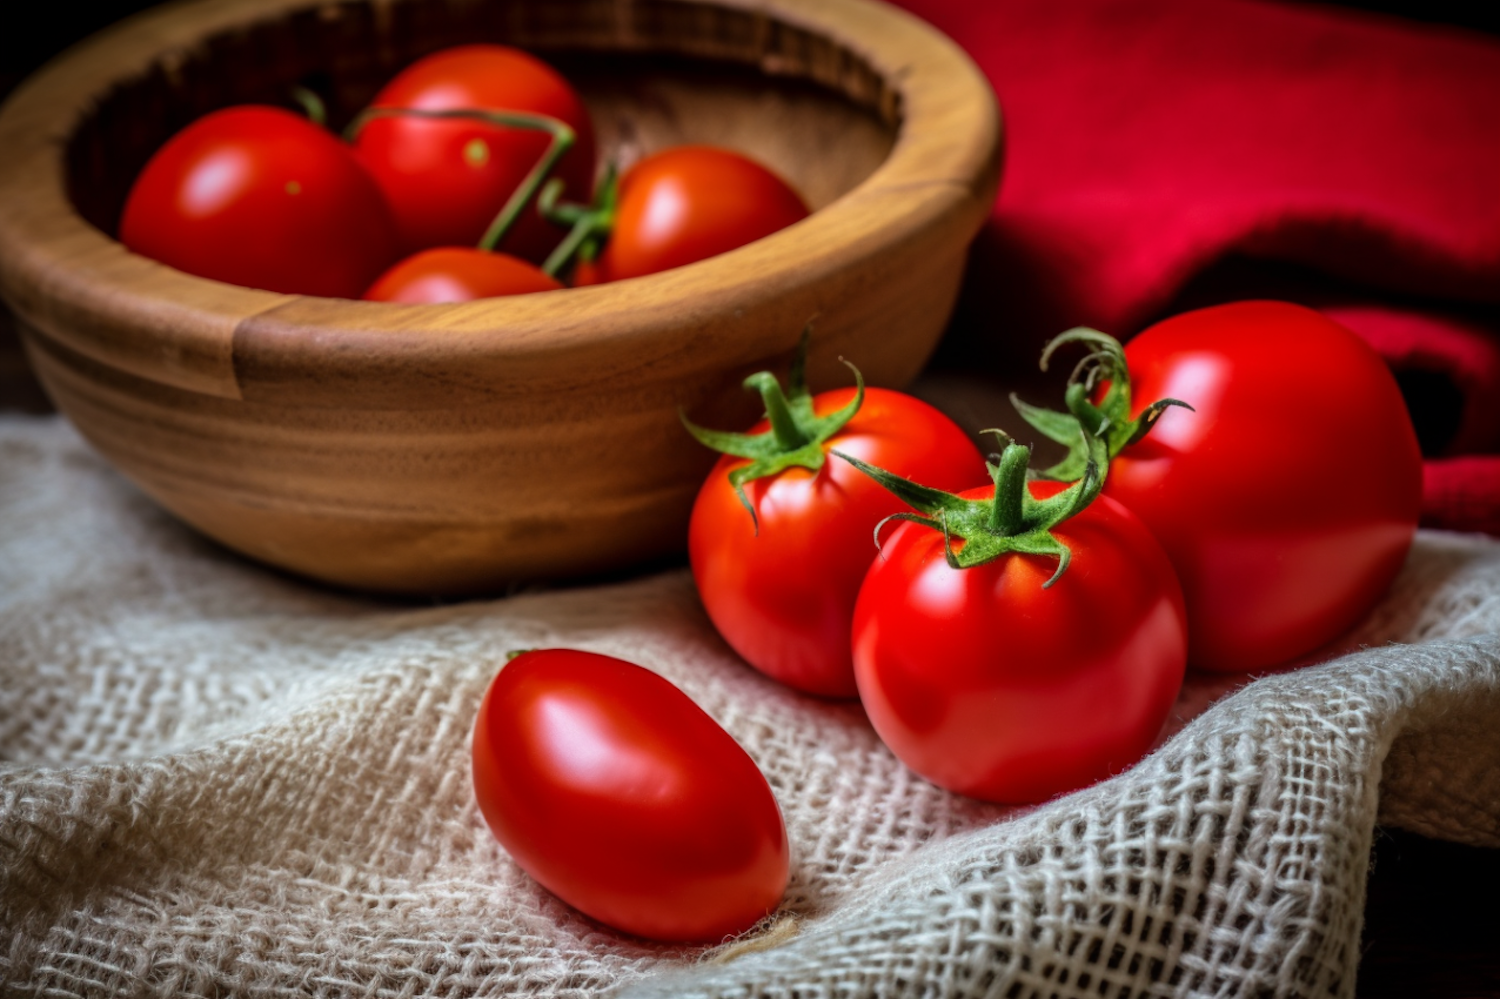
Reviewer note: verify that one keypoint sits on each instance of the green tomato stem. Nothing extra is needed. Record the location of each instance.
(798, 435)
(312, 105)
(1109, 420)
(562, 139)
(788, 434)
(1076, 398)
(1007, 516)
(568, 248)
(1010, 521)
(589, 226)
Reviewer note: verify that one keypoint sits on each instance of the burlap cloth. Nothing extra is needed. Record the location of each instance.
(217, 781)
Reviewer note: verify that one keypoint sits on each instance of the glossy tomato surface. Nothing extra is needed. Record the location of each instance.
(987, 684)
(688, 203)
(1289, 497)
(261, 197)
(783, 598)
(447, 180)
(621, 796)
(458, 274)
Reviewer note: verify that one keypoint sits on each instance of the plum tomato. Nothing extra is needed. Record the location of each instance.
(458, 274)
(622, 797)
(1289, 494)
(780, 538)
(1017, 665)
(685, 204)
(261, 197)
(446, 180)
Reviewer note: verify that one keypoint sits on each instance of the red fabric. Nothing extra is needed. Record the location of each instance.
(1164, 154)
(1459, 493)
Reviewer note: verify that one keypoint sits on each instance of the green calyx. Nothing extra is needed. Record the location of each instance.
(1108, 420)
(1012, 521)
(588, 226)
(797, 433)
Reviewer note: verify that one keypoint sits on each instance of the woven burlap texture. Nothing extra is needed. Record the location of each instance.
(217, 780)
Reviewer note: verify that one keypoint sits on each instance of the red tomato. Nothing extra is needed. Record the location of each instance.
(447, 180)
(458, 274)
(782, 595)
(623, 798)
(689, 203)
(1288, 499)
(261, 197)
(987, 684)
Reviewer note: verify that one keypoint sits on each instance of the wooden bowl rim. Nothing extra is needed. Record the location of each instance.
(944, 156)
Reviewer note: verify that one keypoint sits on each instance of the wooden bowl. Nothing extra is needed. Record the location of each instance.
(461, 448)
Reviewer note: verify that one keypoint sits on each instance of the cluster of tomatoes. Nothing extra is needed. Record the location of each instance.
(1018, 635)
(470, 175)
(1243, 483)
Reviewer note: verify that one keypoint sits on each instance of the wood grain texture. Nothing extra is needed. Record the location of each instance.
(459, 448)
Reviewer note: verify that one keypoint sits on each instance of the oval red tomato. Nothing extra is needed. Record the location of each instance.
(988, 684)
(261, 197)
(447, 180)
(780, 588)
(688, 203)
(621, 796)
(1289, 498)
(458, 274)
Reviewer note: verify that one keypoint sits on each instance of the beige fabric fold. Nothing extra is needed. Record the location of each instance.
(219, 780)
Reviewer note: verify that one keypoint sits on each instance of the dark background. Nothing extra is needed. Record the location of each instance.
(1432, 929)
(49, 28)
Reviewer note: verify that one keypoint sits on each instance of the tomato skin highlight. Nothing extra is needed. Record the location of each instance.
(783, 598)
(989, 685)
(617, 793)
(447, 180)
(689, 203)
(457, 274)
(260, 197)
(1289, 499)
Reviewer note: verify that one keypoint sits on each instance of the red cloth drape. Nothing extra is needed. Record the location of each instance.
(1163, 154)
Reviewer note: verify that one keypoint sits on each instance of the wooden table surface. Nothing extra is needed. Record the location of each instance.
(1432, 926)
